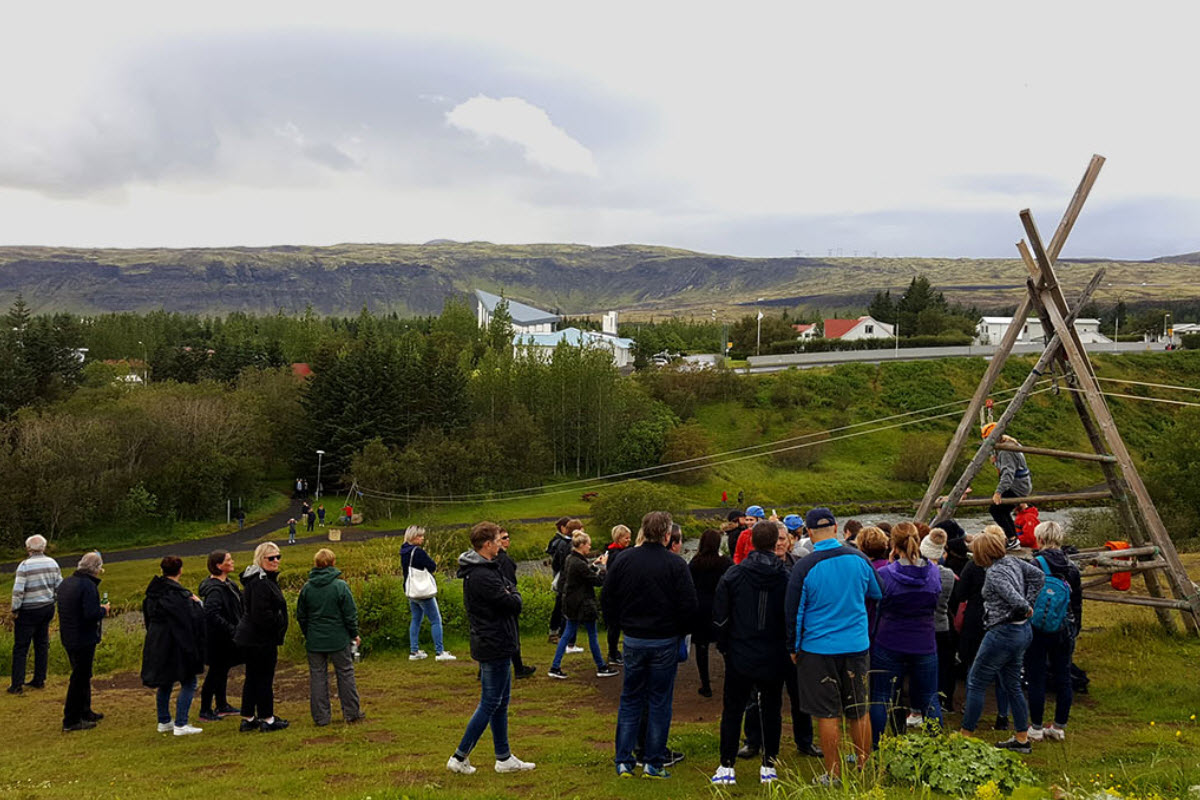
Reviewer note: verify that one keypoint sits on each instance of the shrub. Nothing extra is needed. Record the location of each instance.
(1190, 341)
(919, 456)
(955, 765)
(627, 503)
(686, 443)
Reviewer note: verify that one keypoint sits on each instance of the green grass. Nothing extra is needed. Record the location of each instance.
(417, 712)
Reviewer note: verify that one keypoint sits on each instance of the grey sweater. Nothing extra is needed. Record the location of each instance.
(1009, 591)
(941, 617)
(1014, 474)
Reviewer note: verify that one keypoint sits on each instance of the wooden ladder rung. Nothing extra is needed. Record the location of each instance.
(1086, 556)
(1034, 499)
(1106, 568)
(1046, 451)
(1136, 600)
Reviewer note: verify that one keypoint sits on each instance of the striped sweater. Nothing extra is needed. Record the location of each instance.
(36, 582)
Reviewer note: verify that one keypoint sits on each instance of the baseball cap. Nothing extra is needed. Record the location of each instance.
(793, 522)
(819, 518)
(756, 511)
(735, 515)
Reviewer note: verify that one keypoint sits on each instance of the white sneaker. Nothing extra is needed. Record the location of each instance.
(514, 764)
(166, 727)
(461, 767)
(767, 775)
(915, 720)
(417, 656)
(1036, 732)
(445, 655)
(187, 730)
(573, 649)
(724, 776)
(1054, 732)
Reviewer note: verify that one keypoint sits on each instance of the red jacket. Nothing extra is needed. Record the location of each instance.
(1026, 521)
(744, 546)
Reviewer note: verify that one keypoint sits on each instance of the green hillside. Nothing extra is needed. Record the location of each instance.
(573, 279)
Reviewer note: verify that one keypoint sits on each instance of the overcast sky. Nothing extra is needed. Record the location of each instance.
(743, 128)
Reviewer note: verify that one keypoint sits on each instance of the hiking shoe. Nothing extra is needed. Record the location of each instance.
(616, 658)
(445, 655)
(624, 771)
(724, 776)
(673, 758)
(209, 716)
(552, 638)
(462, 767)
(526, 671)
(91, 716)
(1054, 732)
(655, 773)
(15, 690)
(417, 656)
(573, 649)
(555, 672)
(357, 720)
(248, 725)
(914, 720)
(187, 730)
(746, 751)
(277, 724)
(228, 711)
(35, 685)
(1001, 722)
(514, 764)
(827, 781)
(811, 749)
(1035, 733)
(1024, 748)
(767, 775)
(607, 672)
(166, 727)
(705, 691)
(82, 725)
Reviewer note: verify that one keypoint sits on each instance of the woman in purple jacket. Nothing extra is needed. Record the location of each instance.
(905, 642)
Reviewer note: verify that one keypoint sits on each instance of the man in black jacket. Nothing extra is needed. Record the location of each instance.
(752, 635)
(508, 568)
(79, 614)
(492, 604)
(649, 595)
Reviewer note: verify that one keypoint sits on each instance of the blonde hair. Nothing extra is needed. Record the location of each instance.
(323, 558)
(619, 532)
(262, 551)
(873, 542)
(1049, 534)
(995, 530)
(988, 548)
(412, 532)
(579, 539)
(906, 541)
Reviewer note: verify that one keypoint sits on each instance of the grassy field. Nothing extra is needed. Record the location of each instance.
(1136, 728)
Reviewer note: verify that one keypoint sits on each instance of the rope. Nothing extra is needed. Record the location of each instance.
(1146, 399)
(1152, 385)
(379, 494)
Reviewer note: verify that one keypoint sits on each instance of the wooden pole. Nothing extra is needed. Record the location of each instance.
(1034, 499)
(1137, 600)
(1181, 584)
(1113, 569)
(1099, 555)
(1046, 451)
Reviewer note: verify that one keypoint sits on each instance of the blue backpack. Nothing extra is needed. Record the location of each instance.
(1053, 603)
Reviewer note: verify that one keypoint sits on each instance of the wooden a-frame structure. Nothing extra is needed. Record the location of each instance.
(1156, 557)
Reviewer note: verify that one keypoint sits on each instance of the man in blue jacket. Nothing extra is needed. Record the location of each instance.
(828, 636)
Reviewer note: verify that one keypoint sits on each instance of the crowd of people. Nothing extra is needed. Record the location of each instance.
(868, 626)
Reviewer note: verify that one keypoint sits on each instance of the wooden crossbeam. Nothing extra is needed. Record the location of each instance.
(1054, 303)
(1086, 557)
(1033, 499)
(1046, 451)
(1137, 600)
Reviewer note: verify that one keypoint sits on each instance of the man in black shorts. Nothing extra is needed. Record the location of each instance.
(828, 635)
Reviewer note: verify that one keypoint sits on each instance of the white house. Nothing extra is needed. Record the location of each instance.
(805, 330)
(865, 327)
(544, 343)
(991, 330)
(525, 319)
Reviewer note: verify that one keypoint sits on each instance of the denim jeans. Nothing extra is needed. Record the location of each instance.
(1050, 652)
(183, 703)
(569, 636)
(649, 684)
(1001, 656)
(888, 668)
(495, 681)
(424, 608)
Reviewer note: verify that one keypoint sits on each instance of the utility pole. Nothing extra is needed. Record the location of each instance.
(320, 455)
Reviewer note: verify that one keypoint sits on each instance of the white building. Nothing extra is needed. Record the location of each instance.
(544, 343)
(991, 330)
(525, 319)
(865, 327)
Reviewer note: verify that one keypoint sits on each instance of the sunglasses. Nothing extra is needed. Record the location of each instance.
(273, 558)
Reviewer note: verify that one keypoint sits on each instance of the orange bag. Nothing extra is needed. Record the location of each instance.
(1121, 581)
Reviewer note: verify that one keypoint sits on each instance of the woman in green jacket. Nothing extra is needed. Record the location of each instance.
(329, 620)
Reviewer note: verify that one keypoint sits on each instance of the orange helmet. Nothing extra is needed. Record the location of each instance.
(987, 429)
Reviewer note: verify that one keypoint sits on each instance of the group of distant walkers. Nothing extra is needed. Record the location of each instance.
(870, 625)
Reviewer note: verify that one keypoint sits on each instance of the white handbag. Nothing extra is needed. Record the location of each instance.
(420, 584)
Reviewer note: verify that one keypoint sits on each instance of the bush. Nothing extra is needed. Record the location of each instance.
(627, 503)
(919, 456)
(1190, 341)
(955, 765)
(688, 442)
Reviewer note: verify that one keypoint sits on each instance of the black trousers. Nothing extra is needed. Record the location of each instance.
(214, 694)
(768, 721)
(947, 645)
(614, 641)
(32, 627)
(556, 616)
(258, 691)
(702, 664)
(1004, 514)
(802, 730)
(79, 690)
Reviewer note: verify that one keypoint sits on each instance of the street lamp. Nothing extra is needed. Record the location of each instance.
(145, 364)
(1167, 327)
(320, 455)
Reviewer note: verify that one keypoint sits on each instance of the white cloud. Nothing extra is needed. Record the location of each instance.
(518, 121)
